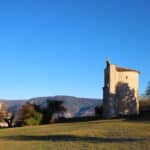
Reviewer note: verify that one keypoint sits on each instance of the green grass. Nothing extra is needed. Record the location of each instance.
(94, 135)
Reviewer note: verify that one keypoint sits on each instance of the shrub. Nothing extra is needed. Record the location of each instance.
(99, 110)
(34, 120)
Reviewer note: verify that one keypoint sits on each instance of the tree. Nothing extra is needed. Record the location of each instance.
(28, 115)
(53, 107)
(6, 116)
(9, 119)
(147, 92)
(33, 114)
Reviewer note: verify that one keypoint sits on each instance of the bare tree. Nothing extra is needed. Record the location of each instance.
(6, 116)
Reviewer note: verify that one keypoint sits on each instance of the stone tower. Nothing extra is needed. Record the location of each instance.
(120, 92)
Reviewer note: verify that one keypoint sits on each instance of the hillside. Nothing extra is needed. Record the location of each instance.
(94, 135)
(76, 107)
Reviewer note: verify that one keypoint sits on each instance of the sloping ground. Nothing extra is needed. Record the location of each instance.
(94, 135)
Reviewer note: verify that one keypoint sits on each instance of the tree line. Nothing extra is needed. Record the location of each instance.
(33, 114)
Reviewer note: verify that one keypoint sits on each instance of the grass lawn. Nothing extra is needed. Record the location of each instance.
(92, 135)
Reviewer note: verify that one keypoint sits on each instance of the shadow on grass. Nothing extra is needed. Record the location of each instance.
(140, 118)
(71, 138)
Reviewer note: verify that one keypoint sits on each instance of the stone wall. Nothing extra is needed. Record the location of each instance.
(120, 92)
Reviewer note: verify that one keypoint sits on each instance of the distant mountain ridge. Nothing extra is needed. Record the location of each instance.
(76, 107)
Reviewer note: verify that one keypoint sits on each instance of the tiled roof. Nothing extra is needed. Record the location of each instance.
(121, 69)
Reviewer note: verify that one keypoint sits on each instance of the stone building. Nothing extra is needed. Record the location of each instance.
(120, 92)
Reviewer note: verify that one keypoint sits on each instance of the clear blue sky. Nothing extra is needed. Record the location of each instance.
(59, 47)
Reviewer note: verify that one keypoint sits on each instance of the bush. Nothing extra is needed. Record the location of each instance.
(34, 120)
(99, 110)
(144, 106)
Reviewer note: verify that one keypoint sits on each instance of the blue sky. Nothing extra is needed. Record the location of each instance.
(60, 47)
